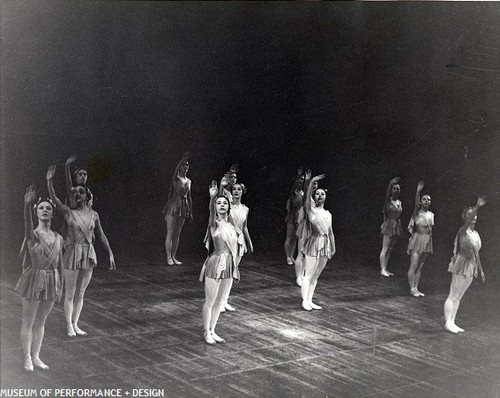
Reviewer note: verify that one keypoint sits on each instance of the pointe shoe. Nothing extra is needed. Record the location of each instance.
(419, 293)
(176, 262)
(386, 273)
(450, 327)
(37, 362)
(207, 336)
(315, 306)
(79, 331)
(414, 292)
(459, 329)
(170, 262)
(229, 307)
(217, 338)
(306, 305)
(28, 363)
(70, 330)
(290, 261)
(299, 281)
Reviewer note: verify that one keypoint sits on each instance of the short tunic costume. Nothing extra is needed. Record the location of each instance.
(421, 242)
(293, 206)
(40, 279)
(239, 215)
(392, 224)
(221, 263)
(79, 252)
(320, 242)
(178, 203)
(466, 259)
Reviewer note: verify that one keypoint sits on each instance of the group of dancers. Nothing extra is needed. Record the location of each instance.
(65, 261)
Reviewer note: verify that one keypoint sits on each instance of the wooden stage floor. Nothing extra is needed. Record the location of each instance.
(372, 339)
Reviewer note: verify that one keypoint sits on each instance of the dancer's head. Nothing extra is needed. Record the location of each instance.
(425, 202)
(184, 168)
(238, 190)
(319, 196)
(222, 205)
(81, 194)
(469, 216)
(395, 191)
(80, 176)
(44, 209)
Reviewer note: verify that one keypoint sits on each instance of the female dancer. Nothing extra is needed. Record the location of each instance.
(320, 244)
(391, 228)
(420, 244)
(227, 182)
(79, 257)
(179, 207)
(293, 206)
(81, 176)
(464, 265)
(40, 284)
(222, 264)
(239, 217)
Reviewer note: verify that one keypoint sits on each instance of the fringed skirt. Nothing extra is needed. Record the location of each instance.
(318, 245)
(464, 266)
(420, 243)
(178, 207)
(79, 257)
(391, 227)
(38, 284)
(221, 266)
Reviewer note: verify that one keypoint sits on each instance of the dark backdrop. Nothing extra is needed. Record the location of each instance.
(361, 92)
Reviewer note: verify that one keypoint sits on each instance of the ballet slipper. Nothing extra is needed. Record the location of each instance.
(207, 336)
(28, 363)
(290, 261)
(71, 330)
(419, 293)
(79, 331)
(384, 273)
(176, 262)
(299, 281)
(315, 306)
(229, 307)
(459, 329)
(450, 327)
(217, 338)
(37, 362)
(414, 292)
(170, 262)
(306, 305)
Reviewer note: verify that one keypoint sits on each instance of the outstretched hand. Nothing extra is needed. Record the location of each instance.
(234, 167)
(481, 201)
(395, 180)
(318, 177)
(420, 185)
(212, 189)
(112, 264)
(71, 159)
(30, 195)
(51, 172)
(308, 174)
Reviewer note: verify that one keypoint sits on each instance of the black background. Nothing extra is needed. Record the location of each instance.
(361, 92)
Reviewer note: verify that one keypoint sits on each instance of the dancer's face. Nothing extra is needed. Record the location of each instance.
(470, 217)
(44, 211)
(81, 177)
(315, 185)
(184, 168)
(300, 182)
(396, 189)
(319, 196)
(80, 194)
(237, 191)
(233, 178)
(425, 202)
(221, 206)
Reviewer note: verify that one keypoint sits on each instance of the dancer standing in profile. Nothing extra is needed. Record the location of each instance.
(79, 257)
(179, 207)
(420, 244)
(40, 284)
(391, 227)
(319, 246)
(221, 265)
(239, 217)
(464, 265)
(293, 206)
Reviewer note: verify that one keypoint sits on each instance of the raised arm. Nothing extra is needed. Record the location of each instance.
(213, 191)
(69, 183)
(481, 201)
(420, 185)
(105, 242)
(308, 202)
(29, 199)
(388, 194)
(50, 186)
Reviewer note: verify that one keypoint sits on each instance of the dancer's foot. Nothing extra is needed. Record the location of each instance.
(451, 327)
(459, 329)
(299, 281)
(414, 292)
(229, 307)
(306, 305)
(386, 273)
(420, 293)
(217, 338)
(37, 362)
(176, 262)
(79, 331)
(315, 306)
(170, 261)
(207, 336)
(28, 363)
(71, 330)
(290, 261)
